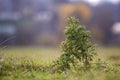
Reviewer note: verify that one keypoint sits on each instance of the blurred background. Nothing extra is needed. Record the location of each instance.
(42, 22)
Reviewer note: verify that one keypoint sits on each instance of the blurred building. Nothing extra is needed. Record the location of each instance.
(9, 17)
(41, 22)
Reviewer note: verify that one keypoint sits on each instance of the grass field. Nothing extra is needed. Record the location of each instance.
(45, 55)
(38, 53)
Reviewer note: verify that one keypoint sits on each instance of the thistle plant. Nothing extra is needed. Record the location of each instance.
(77, 48)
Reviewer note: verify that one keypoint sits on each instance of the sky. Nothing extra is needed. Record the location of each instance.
(94, 2)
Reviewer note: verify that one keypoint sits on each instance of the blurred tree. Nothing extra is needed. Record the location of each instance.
(80, 10)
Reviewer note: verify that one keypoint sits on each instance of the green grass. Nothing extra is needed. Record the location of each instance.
(110, 54)
(38, 53)
(46, 54)
(32, 57)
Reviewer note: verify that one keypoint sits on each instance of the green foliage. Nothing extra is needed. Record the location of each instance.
(77, 48)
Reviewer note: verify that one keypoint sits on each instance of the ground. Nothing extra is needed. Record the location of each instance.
(45, 55)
